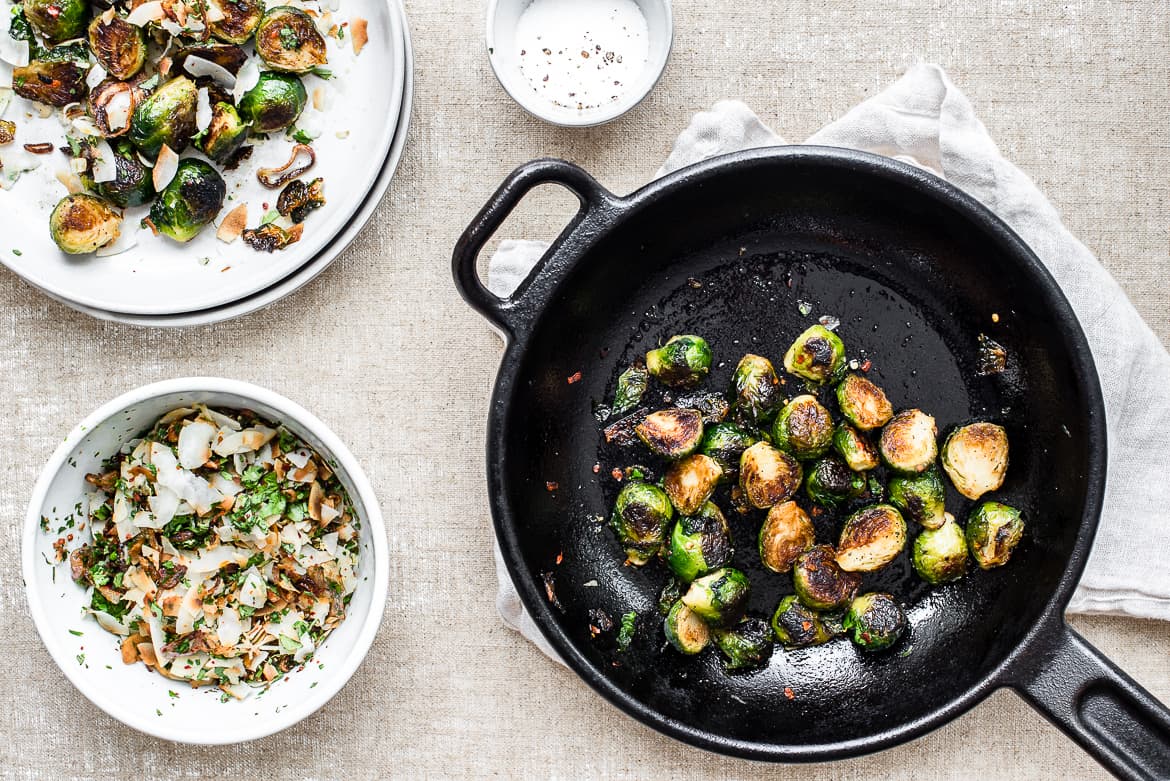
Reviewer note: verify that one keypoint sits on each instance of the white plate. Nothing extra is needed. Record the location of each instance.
(160, 276)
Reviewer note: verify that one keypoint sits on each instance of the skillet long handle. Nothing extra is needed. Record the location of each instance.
(511, 313)
(1100, 707)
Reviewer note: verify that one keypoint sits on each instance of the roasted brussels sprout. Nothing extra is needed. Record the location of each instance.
(768, 476)
(804, 428)
(725, 442)
(831, 482)
(863, 404)
(671, 592)
(993, 531)
(795, 626)
(685, 630)
(908, 441)
(875, 620)
(671, 433)
(132, 185)
(757, 390)
(682, 362)
(785, 534)
(191, 200)
(641, 517)
(297, 199)
(820, 583)
(922, 497)
(817, 355)
(720, 597)
(631, 386)
(166, 116)
(225, 134)
(699, 543)
(270, 237)
(745, 646)
(690, 482)
(55, 83)
(940, 554)
(119, 46)
(976, 458)
(274, 103)
(112, 104)
(287, 40)
(871, 538)
(712, 406)
(57, 20)
(858, 452)
(240, 19)
(82, 223)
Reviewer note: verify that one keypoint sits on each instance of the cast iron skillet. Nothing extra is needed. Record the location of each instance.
(915, 270)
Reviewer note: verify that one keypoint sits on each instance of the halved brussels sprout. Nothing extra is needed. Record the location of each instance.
(691, 481)
(685, 630)
(58, 20)
(795, 626)
(768, 476)
(166, 116)
(191, 200)
(119, 46)
(820, 583)
(631, 386)
(132, 184)
(725, 442)
(240, 19)
(993, 531)
(817, 355)
(863, 404)
(940, 555)
(297, 199)
(274, 103)
(875, 620)
(922, 497)
(871, 538)
(803, 428)
(699, 543)
(671, 433)
(713, 406)
(720, 597)
(54, 83)
(908, 441)
(745, 646)
(976, 458)
(287, 40)
(225, 134)
(757, 390)
(682, 362)
(785, 534)
(858, 452)
(82, 223)
(641, 517)
(831, 482)
(112, 104)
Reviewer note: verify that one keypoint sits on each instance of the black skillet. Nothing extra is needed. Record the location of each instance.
(915, 270)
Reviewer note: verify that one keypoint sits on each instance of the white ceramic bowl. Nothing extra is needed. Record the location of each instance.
(131, 693)
(503, 18)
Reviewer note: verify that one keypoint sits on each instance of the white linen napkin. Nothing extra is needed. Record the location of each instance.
(924, 119)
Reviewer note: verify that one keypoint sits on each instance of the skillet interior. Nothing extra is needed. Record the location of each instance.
(914, 280)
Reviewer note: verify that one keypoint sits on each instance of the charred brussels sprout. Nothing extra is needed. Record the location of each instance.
(712, 406)
(940, 555)
(863, 404)
(831, 482)
(757, 390)
(785, 534)
(908, 441)
(58, 20)
(817, 355)
(875, 621)
(631, 386)
(167, 116)
(274, 103)
(132, 185)
(671, 592)
(820, 583)
(858, 452)
(745, 646)
(795, 626)
(719, 597)
(699, 543)
(871, 538)
(725, 443)
(993, 531)
(922, 497)
(691, 481)
(297, 199)
(191, 200)
(976, 458)
(82, 223)
(803, 428)
(119, 46)
(682, 362)
(671, 433)
(287, 40)
(225, 134)
(641, 518)
(768, 476)
(54, 83)
(685, 630)
(240, 19)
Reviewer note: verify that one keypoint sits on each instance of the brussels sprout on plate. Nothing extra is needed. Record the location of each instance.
(757, 390)
(112, 104)
(767, 476)
(804, 428)
(57, 20)
(831, 482)
(922, 497)
(871, 538)
(682, 362)
(240, 19)
(817, 355)
(671, 433)
(859, 453)
(785, 534)
(820, 582)
(795, 626)
(699, 543)
(192, 200)
(725, 443)
(118, 46)
(720, 597)
(863, 404)
(226, 133)
(274, 103)
(297, 199)
(975, 457)
(690, 481)
(641, 518)
(940, 554)
(166, 116)
(993, 531)
(52, 82)
(82, 223)
(875, 620)
(631, 386)
(908, 442)
(745, 646)
(287, 40)
(686, 630)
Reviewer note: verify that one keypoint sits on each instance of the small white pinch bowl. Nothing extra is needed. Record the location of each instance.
(502, 20)
(132, 694)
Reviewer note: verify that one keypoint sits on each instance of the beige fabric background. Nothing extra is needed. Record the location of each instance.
(1077, 92)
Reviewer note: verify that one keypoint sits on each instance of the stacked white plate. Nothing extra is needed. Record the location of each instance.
(159, 283)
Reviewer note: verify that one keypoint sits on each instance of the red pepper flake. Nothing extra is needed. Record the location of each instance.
(806, 625)
(551, 486)
(560, 557)
(617, 474)
(574, 378)
(789, 693)
(816, 511)
(865, 367)
(596, 468)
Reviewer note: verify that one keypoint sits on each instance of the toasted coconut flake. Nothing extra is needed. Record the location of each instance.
(103, 163)
(108, 15)
(200, 67)
(213, 12)
(145, 13)
(359, 33)
(165, 168)
(71, 181)
(130, 649)
(96, 75)
(146, 653)
(316, 498)
(247, 78)
(233, 224)
(319, 98)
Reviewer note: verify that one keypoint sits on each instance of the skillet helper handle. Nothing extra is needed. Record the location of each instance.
(509, 314)
(1100, 707)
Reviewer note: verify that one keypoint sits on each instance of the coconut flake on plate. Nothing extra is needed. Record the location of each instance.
(200, 67)
(12, 51)
(218, 418)
(246, 79)
(233, 224)
(96, 75)
(195, 444)
(299, 457)
(163, 505)
(13, 163)
(104, 166)
(143, 14)
(165, 168)
(127, 240)
(213, 12)
(202, 109)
